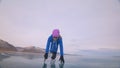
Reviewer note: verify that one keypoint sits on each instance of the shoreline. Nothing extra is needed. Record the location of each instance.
(19, 53)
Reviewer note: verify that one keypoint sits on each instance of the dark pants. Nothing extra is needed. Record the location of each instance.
(53, 55)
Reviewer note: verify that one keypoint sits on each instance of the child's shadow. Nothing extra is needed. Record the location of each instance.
(61, 65)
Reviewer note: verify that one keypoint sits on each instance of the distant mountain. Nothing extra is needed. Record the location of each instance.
(5, 46)
(31, 49)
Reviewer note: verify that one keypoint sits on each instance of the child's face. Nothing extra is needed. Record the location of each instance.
(55, 38)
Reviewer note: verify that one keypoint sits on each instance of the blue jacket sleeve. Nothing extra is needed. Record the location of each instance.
(48, 45)
(61, 47)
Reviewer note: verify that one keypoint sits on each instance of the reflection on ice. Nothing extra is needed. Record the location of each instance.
(61, 65)
(3, 56)
(19, 60)
(44, 65)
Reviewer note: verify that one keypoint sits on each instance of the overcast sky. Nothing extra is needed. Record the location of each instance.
(83, 24)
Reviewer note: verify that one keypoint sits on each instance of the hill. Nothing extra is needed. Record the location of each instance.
(5, 46)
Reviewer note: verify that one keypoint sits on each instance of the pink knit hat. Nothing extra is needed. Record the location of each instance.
(56, 33)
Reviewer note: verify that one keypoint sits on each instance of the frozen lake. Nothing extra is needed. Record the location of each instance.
(71, 61)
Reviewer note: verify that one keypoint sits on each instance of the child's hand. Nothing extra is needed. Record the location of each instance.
(46, 55)
(61, 59)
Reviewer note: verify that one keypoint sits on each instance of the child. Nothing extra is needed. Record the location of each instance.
(53, 42)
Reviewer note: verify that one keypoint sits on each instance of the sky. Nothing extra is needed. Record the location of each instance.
(83, 24)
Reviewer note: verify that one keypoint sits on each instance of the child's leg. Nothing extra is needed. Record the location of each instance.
(53, 58)
(53, 55)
